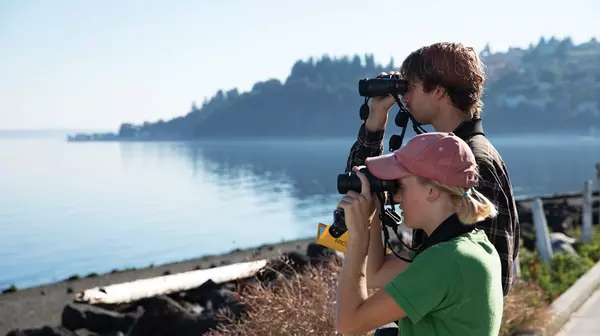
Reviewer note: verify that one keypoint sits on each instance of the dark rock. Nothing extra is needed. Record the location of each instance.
(82, 316)
(525, 215)
(45, 331)
(297, 260)
(212, 297)
(164, 316)
(232, 286)
(193, 308)
(319, 254)
(284, 266)
(200, 294)
(561, 216)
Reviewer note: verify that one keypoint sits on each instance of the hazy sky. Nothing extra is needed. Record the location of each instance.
(95, 64)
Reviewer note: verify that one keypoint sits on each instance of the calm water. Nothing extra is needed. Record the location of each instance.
(70, 208)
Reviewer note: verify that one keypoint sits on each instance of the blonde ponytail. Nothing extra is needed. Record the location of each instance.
(471, 206)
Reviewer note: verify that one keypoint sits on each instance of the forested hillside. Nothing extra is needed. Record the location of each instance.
(553, 86)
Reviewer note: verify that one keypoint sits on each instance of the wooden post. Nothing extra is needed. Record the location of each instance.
(542, 237)
(586, 217)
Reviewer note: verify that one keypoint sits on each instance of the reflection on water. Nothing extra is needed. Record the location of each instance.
(91, 207)
(305, 171)
(536, 165)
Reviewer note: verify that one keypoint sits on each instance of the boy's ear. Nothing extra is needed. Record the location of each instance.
(439, 92)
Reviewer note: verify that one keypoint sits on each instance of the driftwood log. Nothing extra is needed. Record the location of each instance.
(167, 284)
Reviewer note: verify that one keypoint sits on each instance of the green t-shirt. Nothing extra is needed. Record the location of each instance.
(452, 288)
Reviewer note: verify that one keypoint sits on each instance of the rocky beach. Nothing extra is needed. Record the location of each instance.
(52, 309)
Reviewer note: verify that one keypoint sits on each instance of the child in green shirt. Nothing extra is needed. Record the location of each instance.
(452, 286)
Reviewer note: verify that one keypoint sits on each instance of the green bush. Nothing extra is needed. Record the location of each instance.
(590, 251)
(565, 270)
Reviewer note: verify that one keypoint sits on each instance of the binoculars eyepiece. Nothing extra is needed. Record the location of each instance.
(350, 181)
(382, 86)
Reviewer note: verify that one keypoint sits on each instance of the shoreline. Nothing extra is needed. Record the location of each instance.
(205, 261)
(236, 255)
(37, 306)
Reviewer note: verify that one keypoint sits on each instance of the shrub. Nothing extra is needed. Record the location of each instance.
(304, 305)
(525, 310)
(590, 251)
(565, 270)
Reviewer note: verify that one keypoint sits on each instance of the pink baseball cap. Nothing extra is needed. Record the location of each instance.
(438, 156)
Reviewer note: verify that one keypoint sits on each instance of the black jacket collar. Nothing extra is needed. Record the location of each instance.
(450, 228)
(469, 128)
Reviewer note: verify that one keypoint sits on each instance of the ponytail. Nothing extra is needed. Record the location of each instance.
(473, 207)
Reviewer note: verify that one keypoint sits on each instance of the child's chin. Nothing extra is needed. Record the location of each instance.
(410, 226)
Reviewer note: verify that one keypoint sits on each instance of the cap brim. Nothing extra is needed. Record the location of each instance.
(386, 167)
